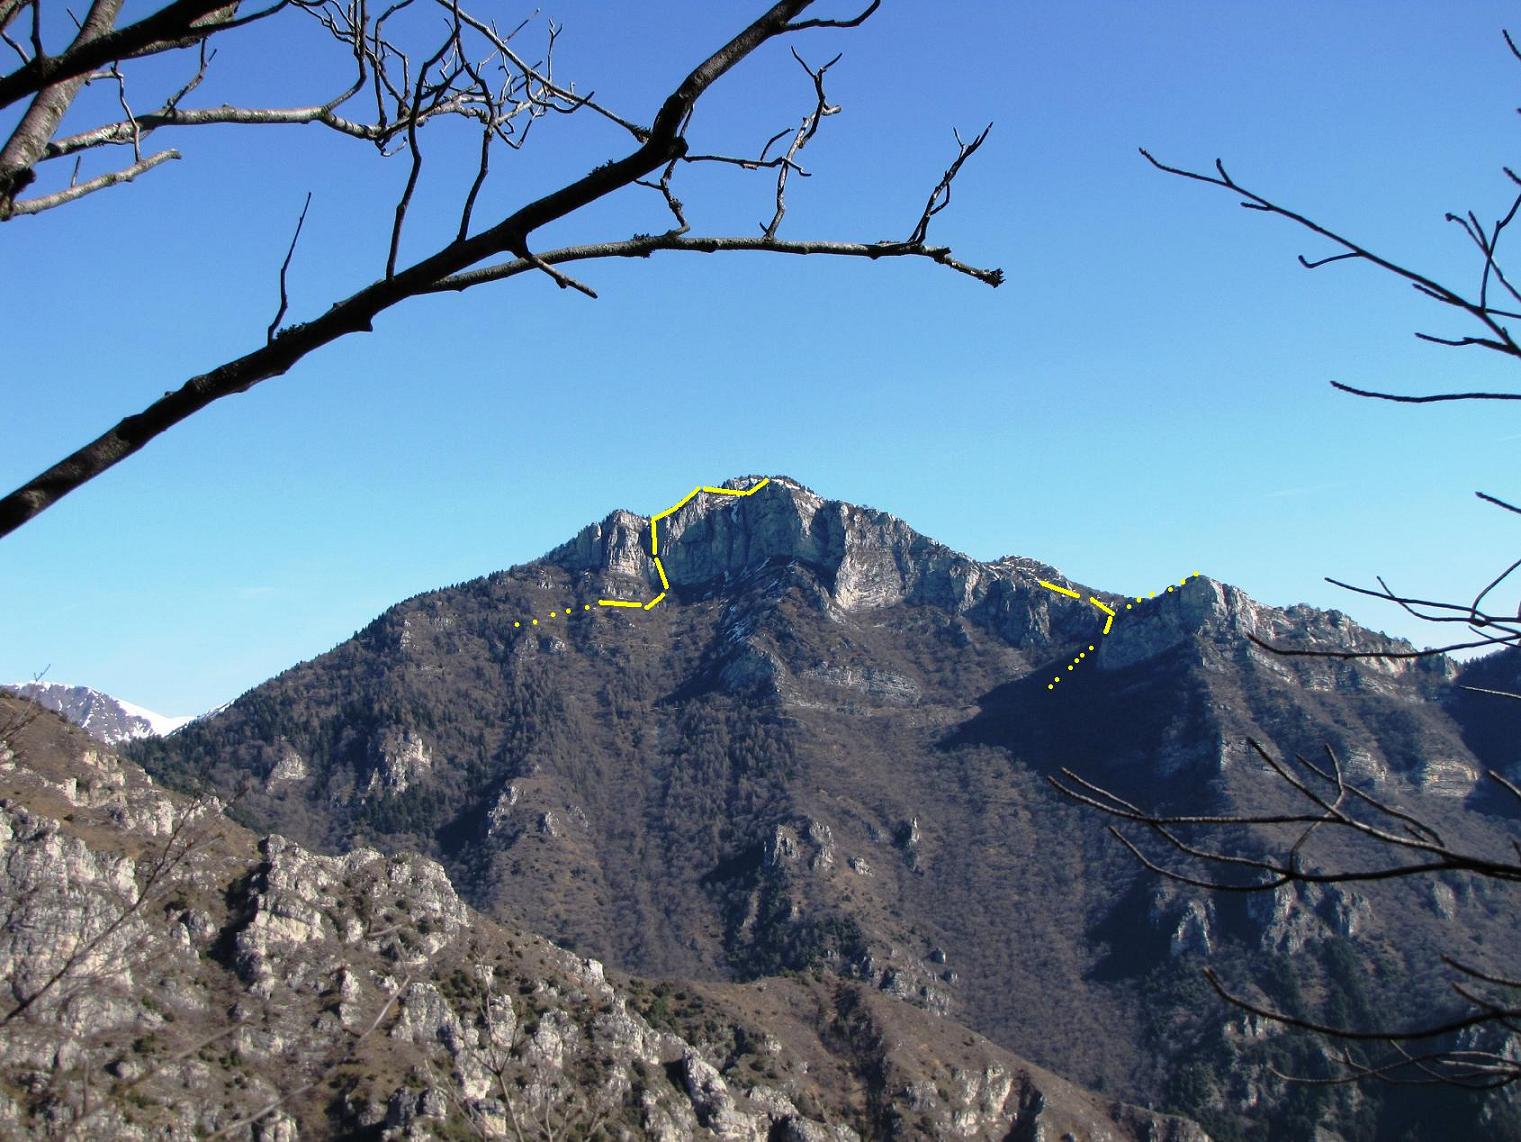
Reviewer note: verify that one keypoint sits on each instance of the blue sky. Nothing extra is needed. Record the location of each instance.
(1146, 396)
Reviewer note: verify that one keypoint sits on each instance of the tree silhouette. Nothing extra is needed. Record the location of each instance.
(1303, 840)
(405, 75)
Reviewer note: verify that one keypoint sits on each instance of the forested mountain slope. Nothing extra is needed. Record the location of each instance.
(170, 974)
(826, 750)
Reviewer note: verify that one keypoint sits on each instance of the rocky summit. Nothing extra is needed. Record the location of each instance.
(821, 763)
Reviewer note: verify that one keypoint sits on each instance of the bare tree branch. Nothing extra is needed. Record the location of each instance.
(451, 267)
(1347, 809)
(416, 151)
(1381, 1036)
(46, 111)
(9, 9)
(1498, 502)
(115, 133)
(643, 245)
(115, 178)
(176, 24)
(853, 22)
(1431, 398)
(1498, 693)
(1247, 852)
(525, 90)
(1498, 339)
(809, 127)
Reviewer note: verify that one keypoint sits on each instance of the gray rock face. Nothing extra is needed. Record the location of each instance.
(290, 766)
(400, 759)
(619, 544)
(1188, 921)
(1447, 777)
(870, 558)
(1294, 916)
(1227, 618)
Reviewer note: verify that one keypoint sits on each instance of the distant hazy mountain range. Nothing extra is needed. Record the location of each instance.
(110, 719)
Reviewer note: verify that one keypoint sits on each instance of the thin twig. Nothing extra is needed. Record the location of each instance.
(115, 178)
(284, 268)
(940, 197)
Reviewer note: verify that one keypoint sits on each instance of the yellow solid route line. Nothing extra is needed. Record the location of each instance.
(1059, 590)
(1109, 614)
(665, 583)
(569, 611)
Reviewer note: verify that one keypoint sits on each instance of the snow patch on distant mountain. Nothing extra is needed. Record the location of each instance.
(211, 713)
(110, 719)
(161, 725)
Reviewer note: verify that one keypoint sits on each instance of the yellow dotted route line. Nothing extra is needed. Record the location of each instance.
(1109, 614)
(569, 613)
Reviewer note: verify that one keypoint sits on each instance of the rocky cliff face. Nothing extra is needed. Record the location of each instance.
(826, 752)
(172, 975)
(867, 558)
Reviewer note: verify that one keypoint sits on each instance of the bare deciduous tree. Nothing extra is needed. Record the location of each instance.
(65, 998)
(403, 77)
(14, 718)
(1239, 855)
(345, 1052)
(535, 1097)
(1294, 843)
(105, 942)
(1487, 306)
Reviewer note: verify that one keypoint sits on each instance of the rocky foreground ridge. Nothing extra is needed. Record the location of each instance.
(826, 755)
(172, 975)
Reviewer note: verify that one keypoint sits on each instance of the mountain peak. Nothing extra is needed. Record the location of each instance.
(867, 557)
(828, 750)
